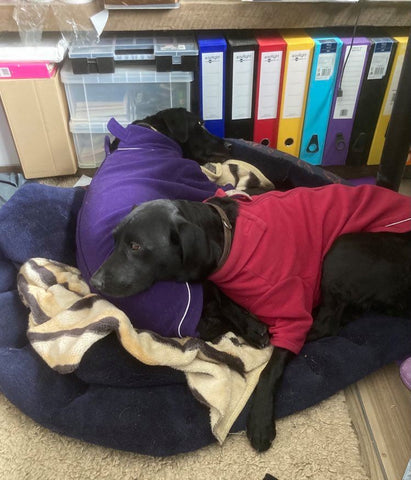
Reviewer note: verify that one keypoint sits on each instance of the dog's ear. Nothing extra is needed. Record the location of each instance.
(194, 247)
(177, 123)
(198, 252)
(192, 240)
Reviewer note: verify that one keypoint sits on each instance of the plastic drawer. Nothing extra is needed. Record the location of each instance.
(89, 143)
(131, 93)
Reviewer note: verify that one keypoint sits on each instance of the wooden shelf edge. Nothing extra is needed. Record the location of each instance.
(230, 14)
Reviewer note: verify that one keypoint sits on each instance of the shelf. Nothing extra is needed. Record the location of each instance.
(234, 14)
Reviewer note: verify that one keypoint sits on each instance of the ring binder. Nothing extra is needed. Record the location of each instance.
(212, 60)
(349, 80)
(326, 59)
(270, 70)
(294, 92)
(378, 140)
(240, 85)
(374, 85)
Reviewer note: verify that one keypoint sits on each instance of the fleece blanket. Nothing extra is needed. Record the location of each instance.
(241, 175)
(113, 399)
(66, 319)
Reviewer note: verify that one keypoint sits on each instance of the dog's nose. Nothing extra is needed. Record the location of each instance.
(97, 281)
(228, 145)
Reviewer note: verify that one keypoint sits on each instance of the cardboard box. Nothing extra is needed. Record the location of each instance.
(38, 117)
(8, 152)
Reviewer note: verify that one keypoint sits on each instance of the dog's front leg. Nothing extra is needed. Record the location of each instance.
(221, 314)
(261, 419)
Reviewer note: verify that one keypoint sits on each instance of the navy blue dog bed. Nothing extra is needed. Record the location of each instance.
(115, 401)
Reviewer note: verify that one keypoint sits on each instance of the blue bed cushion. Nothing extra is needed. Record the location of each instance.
(114, 400)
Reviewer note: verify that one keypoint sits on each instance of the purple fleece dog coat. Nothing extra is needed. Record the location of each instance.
(146, 165)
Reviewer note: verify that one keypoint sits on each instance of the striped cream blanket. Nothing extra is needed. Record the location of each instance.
(66, 319)
(241, 175)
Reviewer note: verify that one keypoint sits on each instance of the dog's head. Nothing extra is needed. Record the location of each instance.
(188, 130)
(154, 242)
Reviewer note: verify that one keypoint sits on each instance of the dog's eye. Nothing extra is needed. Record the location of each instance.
(135, 246)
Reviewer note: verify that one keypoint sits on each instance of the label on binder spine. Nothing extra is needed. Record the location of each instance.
(380, 61)
(243, 77)
(212, 85)
(350, 82)
(296, 83)
(394, 86)
(269, 85)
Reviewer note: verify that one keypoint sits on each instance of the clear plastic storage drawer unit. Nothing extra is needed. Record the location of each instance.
(89, 139)
(110, 51)
(176, 52)
(129, 94)
(166, 52)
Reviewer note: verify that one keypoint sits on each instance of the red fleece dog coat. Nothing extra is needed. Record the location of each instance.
(280, 240)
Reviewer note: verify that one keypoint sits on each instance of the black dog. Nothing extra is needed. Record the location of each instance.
(364, 272)
(185, 241)
(188, 130)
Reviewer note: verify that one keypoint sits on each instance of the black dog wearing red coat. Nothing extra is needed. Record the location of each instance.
(190, 238)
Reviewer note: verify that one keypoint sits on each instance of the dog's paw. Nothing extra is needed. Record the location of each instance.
(256, 334)
(261, 431)
(211, 328)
